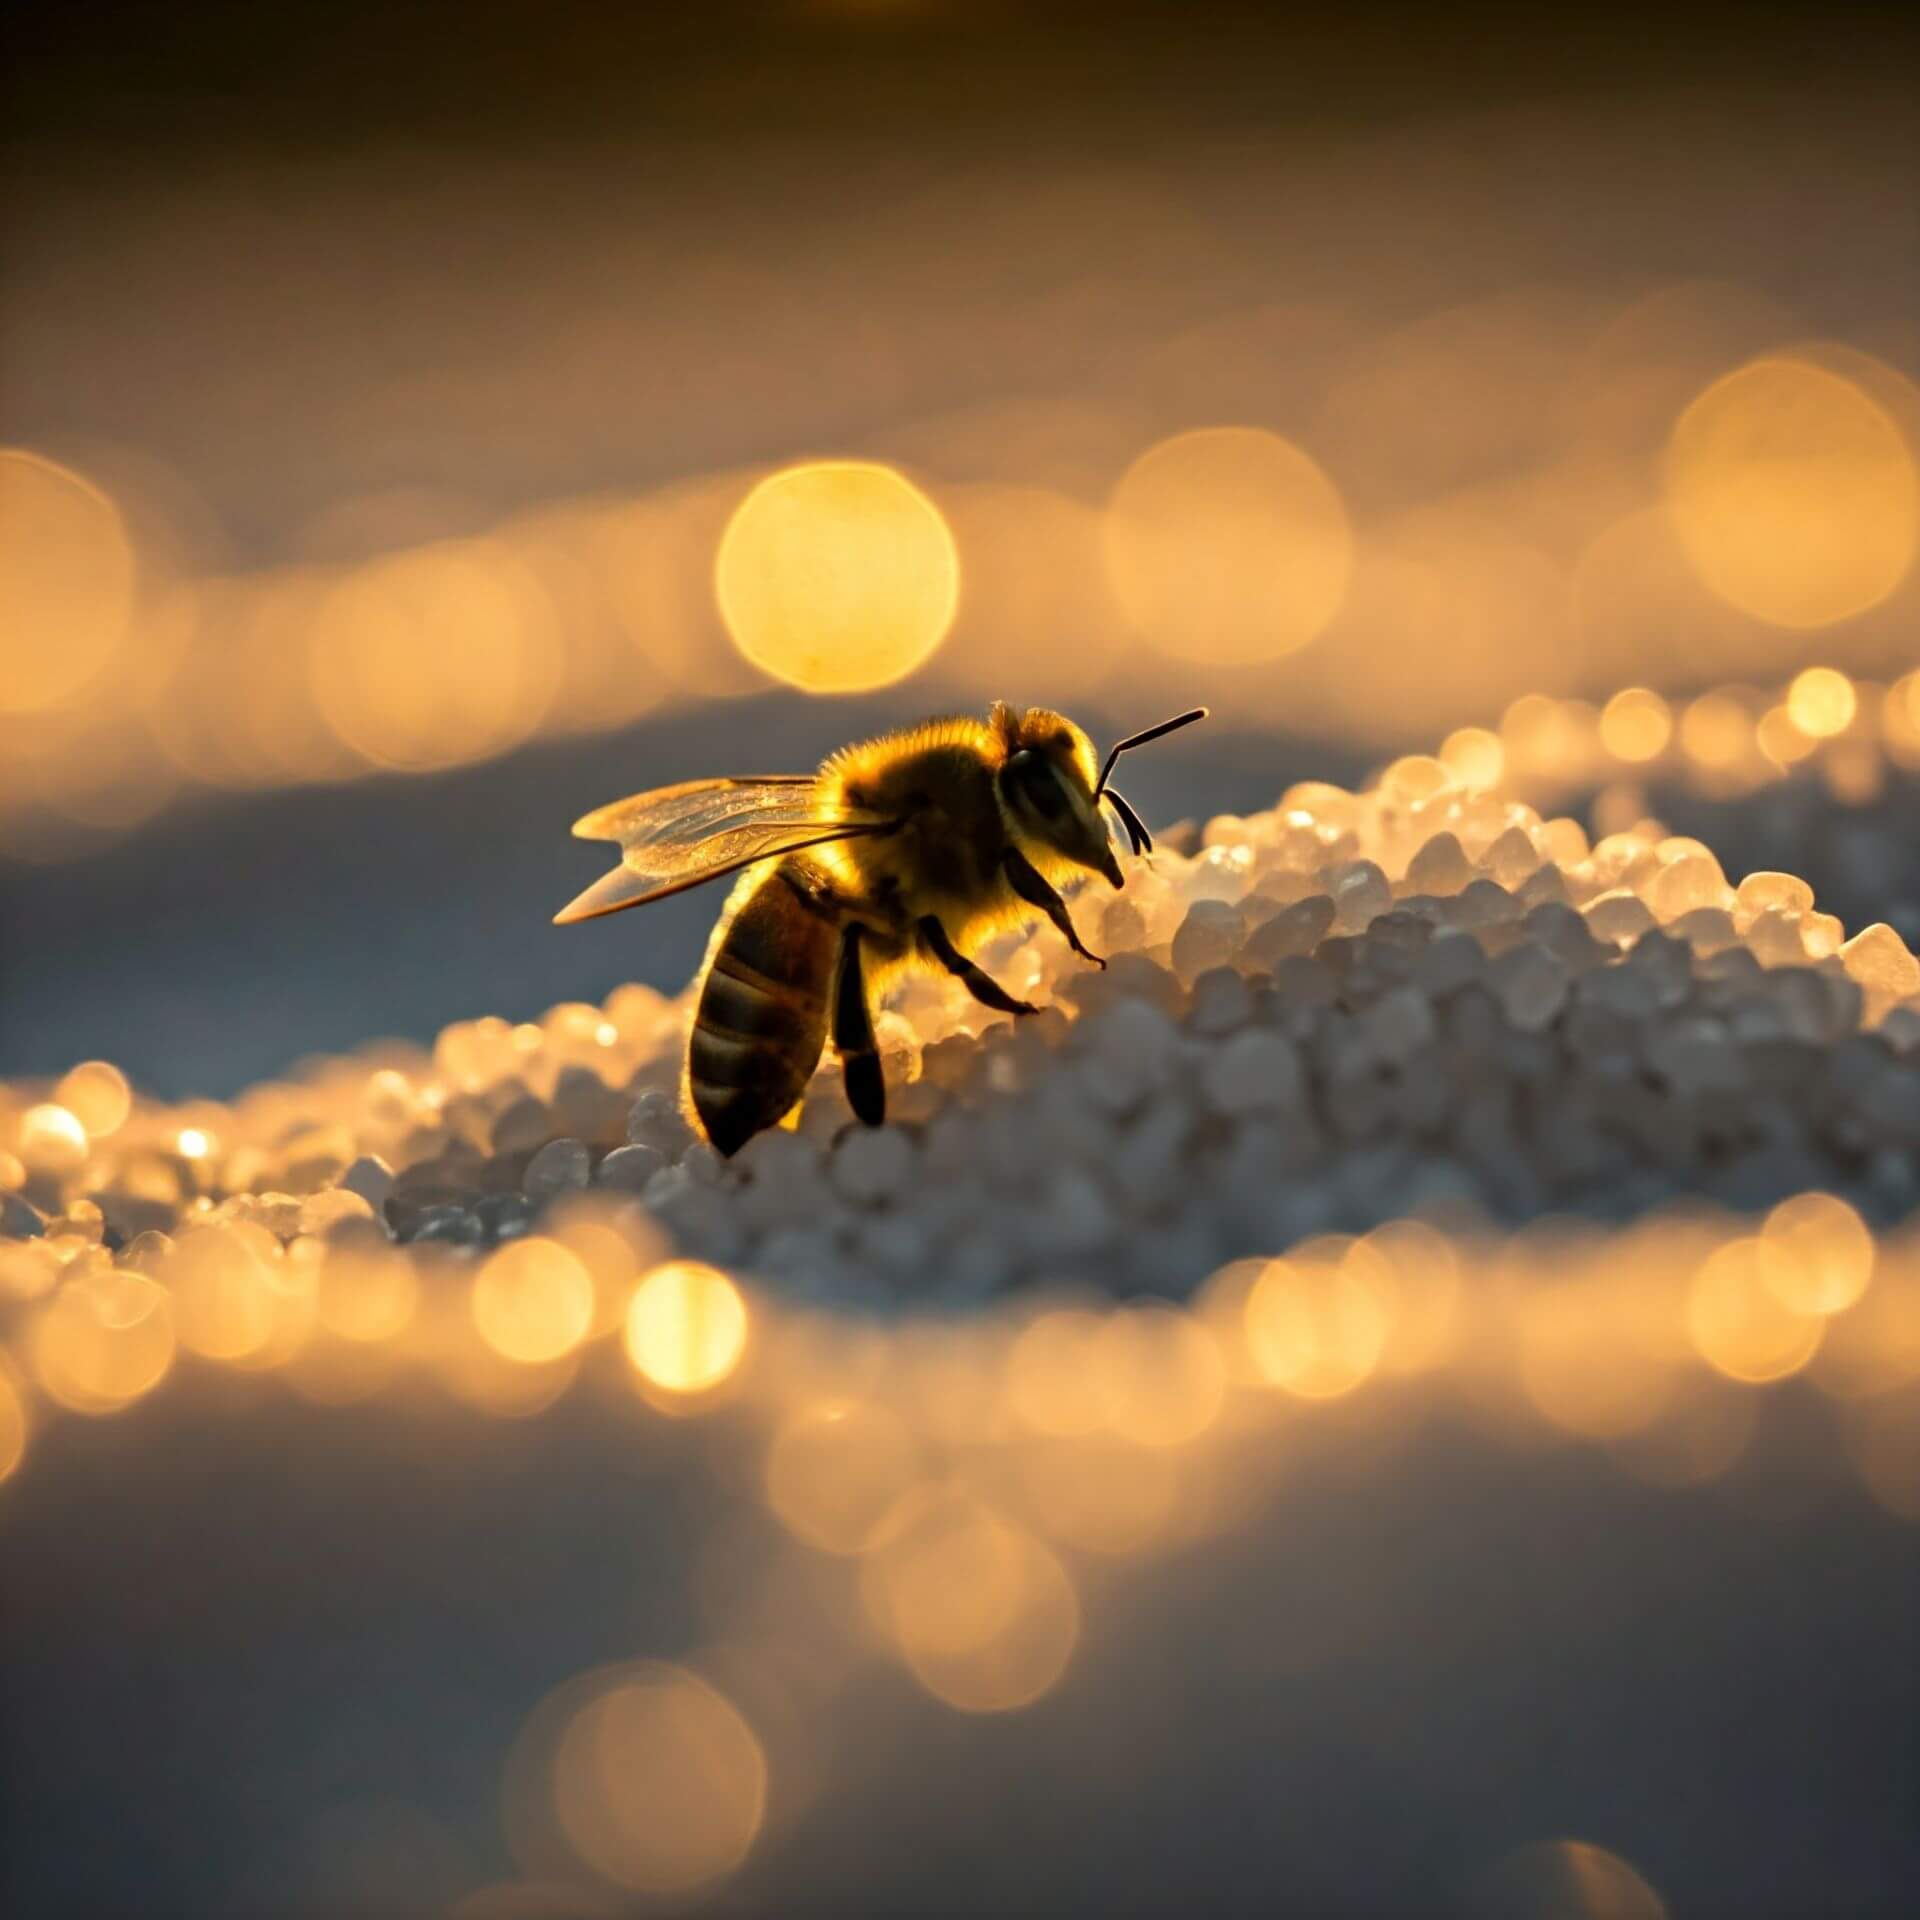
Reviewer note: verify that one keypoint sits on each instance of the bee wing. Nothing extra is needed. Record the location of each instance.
(674, 838)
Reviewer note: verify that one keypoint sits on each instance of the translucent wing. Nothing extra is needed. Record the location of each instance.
(679, 837)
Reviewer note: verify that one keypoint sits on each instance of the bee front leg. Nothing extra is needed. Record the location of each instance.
(853, 1034)
(981, 984)
(1030, 884)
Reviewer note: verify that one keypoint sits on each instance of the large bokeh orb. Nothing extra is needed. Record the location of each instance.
(837, 576)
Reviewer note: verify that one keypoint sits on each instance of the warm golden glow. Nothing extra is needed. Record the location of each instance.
(52, 1140)
(66, 582)
(1160, 1376)
(686, 1327)
(1822, 702)
(1228, 545)
(1740, 1324)
(835, 1475)
(837, 576)
(533, 1301)
(1716, 731)
(1100, 1493)
(223, 1303)
(13, 1426)
(433, 655)
(1818, 1254)
(97, 1095)
(1636, 724)
(1567, 1880)
(1317, 1321)
(367, 1295)
(1794, 493)
(1581, 1365)
(982, 1612)
(1051, 1384)
(1475, 757)
(100, 1343)
(659, 1782)
(1780, 740)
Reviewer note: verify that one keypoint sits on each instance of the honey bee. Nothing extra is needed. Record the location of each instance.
(898, 854)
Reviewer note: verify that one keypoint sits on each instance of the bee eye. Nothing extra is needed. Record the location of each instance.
(1031, 778)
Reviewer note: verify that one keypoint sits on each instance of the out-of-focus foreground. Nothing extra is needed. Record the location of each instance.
(1402, 1395)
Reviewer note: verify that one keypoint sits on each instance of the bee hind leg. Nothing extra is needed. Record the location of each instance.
(1031, 885)
(977, 981)
(853, 1034)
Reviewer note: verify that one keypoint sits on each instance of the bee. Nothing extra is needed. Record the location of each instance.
(900, 853)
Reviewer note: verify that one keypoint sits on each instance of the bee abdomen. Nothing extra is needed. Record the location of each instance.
(762, 1018)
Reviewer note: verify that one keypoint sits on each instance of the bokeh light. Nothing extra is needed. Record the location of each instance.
(1160, 1375)
(1565, 1880)
(1739, 1322)
(837, 576)
(983, 1614)
(1794, 492)
(533, 1300)
(1818, 1254)
(67, 579)
(1636, 724)
(13, 1425)
(101, 1343)
(659, 1782)
(686, 1327)
(837, 1474)
(1228, 545)
(51, 1139)
(434, 655)
(1317, 1321)
(97, 1095)
(1821, 702)
(1057, 1398)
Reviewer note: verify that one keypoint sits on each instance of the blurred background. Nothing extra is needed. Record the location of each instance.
(376, 397)
(420, 425)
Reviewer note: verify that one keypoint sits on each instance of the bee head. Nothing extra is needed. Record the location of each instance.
(1047, 787)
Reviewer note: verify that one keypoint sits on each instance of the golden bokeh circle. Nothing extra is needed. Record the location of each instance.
(1822, 702)
(1636, 724)
(837, 576)
(98, 1345)
(1228, 545)
(658, 1781)
(533, 1301)
(983, 1614)
(50, 1139)
(686, 1327)
(1739, 1323)
(434, 655)
(836, 1473)
(97, 1095)
(1566, 1880)
(1818, 1254)
(1316, 1322)
(1794, 493)
(66, 582)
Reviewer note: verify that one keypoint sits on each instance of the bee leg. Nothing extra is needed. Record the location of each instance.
(1027, 881)
(853, 1034)
(981, 984)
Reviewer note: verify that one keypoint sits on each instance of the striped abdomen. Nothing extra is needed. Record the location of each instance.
(762, 1018)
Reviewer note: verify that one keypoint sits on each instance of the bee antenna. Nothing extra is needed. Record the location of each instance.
(1140, 740)
(1135, 826)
